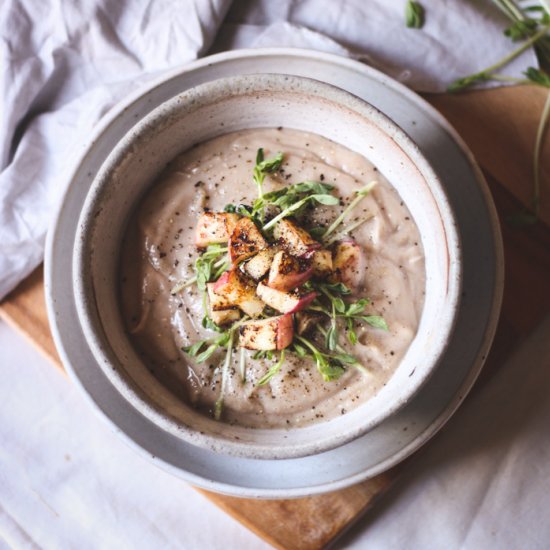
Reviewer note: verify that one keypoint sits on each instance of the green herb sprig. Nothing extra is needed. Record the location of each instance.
(272, 371)
(414, 15)
(349, 312)
(359, 196)
(207, 267)
(531, 24)
(326, 199)
(204, 349)
(263, 167)
(330, 366)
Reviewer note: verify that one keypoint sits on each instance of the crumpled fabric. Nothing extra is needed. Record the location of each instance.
(65, 63)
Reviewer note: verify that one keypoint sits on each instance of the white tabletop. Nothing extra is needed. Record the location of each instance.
(67, 481)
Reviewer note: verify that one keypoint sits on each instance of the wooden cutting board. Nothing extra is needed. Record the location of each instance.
(499, 126)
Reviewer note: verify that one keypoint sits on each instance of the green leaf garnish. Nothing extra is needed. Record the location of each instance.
(329, 367)
(272, 371)
(328, 200)
(538, 76)
(374, 321)
(488, 73)
(414, 15)
(359, 196)
(225, 374)
(263, 167)
(529, 23)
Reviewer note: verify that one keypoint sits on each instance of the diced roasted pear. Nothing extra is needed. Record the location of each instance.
(245, 241)
(217, 302)
(225, 316)
(215, 228)
(253, 306)
(349, 264)
(238, 290)
(322, 263)
(296, 240)
(284, 302)
(288, 272)
(219, 310)
(258, 266)
(267, 334)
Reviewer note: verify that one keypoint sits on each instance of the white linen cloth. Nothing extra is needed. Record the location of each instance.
(67, 481)
(64, 63)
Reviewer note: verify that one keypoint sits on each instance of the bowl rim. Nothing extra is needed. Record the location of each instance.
(215, 442)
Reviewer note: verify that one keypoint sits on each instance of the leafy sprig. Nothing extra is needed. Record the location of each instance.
(359, 196)
(263, 167)
(349, 312)
(531, 24)
(414, 15)
(327, 200)
(207, 267)
(204, 349)
(272, 371)
(330, 366)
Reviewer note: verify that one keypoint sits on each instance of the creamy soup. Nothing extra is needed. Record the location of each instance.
(159, 252)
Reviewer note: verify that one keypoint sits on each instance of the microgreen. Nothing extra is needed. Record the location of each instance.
(204, 349)
(486, 74)
(225, 373)
(345, 231)
(210, 264)
(330, 367)
(414, 15)
(272, 371)
(242, 365)
(264, 167)
(349, 312)
(531, 24)
(328, 200)
(359, 196)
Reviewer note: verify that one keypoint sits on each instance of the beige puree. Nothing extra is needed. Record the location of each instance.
(159, 251)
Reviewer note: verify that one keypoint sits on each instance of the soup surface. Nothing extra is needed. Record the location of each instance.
(163, 314)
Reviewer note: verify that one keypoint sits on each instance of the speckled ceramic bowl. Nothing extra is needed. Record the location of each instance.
(219, 107)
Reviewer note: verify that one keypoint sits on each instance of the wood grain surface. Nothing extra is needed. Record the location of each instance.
(499, 126)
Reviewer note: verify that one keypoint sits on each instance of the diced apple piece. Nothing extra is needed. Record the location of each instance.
(349, 264)
(219, 309)
(306, 321)
(322, 263)
(238, 290)
(267, 334)
(297, 240)
(259, 265)
(288, 272)
(215, 228)
(253, 306)
(245, 241)
(284, 302)
(225, 316)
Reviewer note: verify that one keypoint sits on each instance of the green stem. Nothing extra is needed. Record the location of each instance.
(360, 196)
(225, 374)
(285, 213)
(242, 364)
(467, 81)
(346, 230)
(504, 78)
(178, 287)
(525, 46)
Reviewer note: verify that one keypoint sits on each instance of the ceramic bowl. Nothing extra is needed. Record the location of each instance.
(223, 106)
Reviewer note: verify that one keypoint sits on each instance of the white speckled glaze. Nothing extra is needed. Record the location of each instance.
(216, 108)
